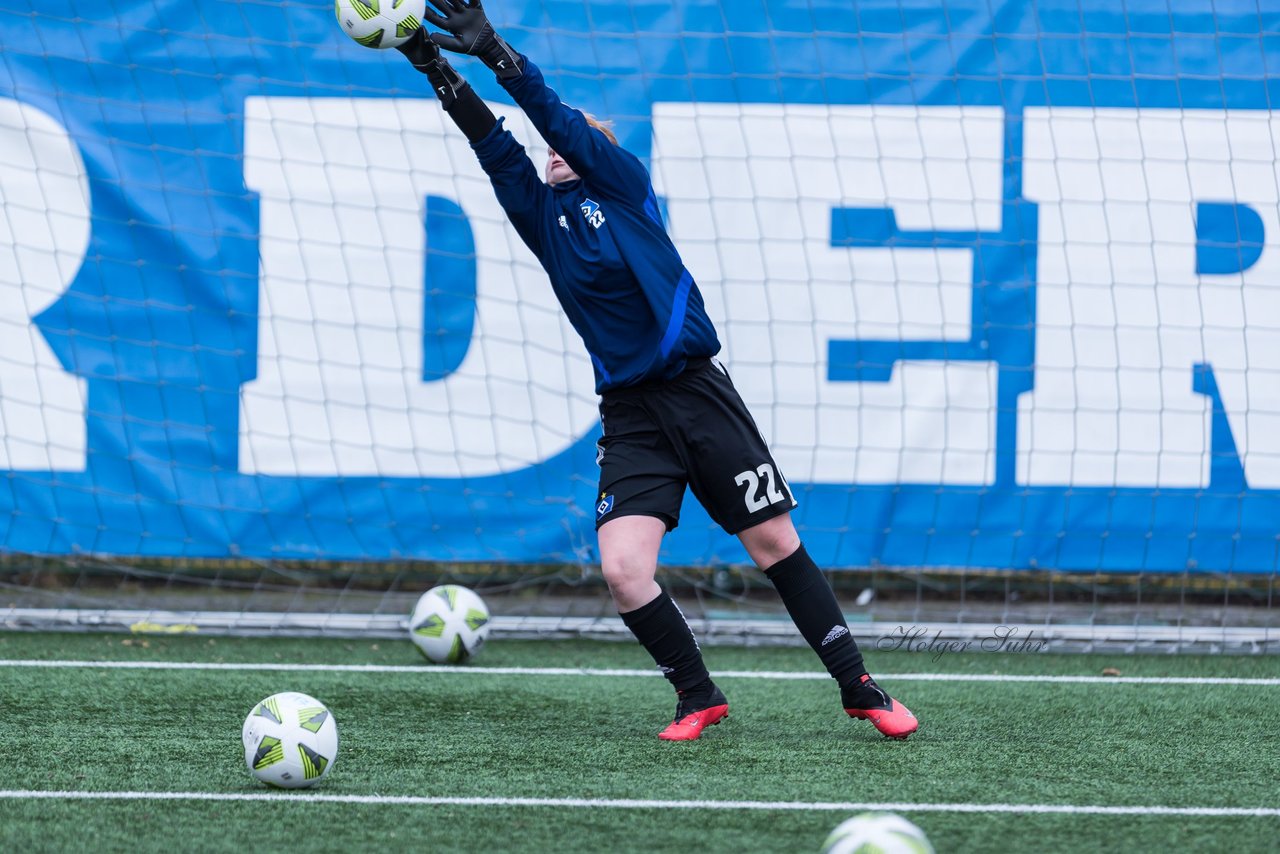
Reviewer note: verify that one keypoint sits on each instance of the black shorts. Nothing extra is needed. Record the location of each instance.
(693, 430)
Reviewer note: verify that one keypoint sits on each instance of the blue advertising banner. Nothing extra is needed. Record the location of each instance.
(998, 280)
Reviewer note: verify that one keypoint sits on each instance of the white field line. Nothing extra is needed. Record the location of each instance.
(428, 670)
(606, 803)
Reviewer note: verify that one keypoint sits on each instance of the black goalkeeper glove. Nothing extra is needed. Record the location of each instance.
(470, 32)
(426, 57)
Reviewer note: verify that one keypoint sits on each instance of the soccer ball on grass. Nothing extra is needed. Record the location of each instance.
(379, 23)
(449, 624)
(290, 741)
(877, 833)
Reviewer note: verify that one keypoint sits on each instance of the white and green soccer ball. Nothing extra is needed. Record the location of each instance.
(379, 23)
(877, 833)
(449, 624)
(290, 741)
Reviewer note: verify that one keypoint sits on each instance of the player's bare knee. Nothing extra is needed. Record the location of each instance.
(628, 595)
(625, 573)
(771, 541)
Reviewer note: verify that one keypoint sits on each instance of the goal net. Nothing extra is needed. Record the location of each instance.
(997, 281)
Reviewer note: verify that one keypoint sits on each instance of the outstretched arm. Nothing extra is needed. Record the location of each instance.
(586, 149)
(514, 178)
(472, 115)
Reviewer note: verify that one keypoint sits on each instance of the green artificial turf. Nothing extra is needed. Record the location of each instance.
(432, 733)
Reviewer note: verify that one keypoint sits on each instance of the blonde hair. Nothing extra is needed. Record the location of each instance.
(605, 127)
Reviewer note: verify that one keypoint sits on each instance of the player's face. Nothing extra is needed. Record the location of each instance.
(557, 169)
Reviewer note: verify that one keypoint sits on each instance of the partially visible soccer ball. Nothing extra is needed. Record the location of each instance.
(290, 741)
(449, 624)
(379, 23)
(877, 833)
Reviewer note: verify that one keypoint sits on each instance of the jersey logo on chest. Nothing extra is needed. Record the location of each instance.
(591, 210)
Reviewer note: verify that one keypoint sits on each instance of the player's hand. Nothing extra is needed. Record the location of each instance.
(426, 57)
(421, 51)
(469, 31)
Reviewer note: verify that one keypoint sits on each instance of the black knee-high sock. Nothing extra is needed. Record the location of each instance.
(813, 608)
(663, 631)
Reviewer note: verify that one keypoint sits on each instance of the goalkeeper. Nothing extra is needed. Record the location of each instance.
(669, 413)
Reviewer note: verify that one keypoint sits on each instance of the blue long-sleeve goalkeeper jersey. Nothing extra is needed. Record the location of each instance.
(601, 240)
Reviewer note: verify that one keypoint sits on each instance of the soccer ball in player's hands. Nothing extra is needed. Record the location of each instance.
(449, 624)
(290, 741)
(877, 833)
(379, 23)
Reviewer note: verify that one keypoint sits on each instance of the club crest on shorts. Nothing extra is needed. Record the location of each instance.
(604, 507)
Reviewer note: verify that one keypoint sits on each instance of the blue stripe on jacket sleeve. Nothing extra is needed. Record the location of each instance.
(651, 208)
(679, 307)
(604, 372)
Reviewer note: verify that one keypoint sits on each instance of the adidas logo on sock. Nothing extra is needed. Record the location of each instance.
(836, 632)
